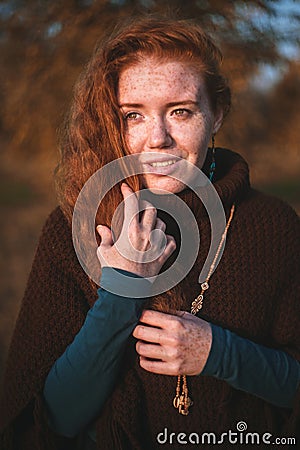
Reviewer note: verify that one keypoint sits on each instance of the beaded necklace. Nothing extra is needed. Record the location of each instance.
(182, 401)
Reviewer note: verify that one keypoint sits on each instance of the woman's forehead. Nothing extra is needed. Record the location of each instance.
(157, 77)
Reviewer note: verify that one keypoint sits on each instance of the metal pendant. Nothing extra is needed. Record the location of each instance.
(197, 304)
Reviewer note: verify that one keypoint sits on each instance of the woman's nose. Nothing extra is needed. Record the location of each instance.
(158, 134)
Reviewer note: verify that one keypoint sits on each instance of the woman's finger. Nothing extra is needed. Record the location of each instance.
(169, 249)
(161, 367)
(149, 334)
(157, 319)
(131, 207)
(149, 216)
(160, 224)
(105, 234)
(151, 350)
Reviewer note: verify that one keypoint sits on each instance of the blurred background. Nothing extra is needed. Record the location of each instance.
(45, 44)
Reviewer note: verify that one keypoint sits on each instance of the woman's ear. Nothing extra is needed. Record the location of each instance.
(218, 121)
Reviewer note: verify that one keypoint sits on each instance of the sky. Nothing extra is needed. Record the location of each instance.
(287, 26)
(283, 21)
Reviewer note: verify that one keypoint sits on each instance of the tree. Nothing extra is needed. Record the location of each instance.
(44, 45)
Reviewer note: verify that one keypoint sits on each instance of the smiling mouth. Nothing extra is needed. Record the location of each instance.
(163, 163)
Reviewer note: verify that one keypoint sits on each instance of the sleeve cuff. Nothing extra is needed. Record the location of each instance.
(214, 360)
(125, 284)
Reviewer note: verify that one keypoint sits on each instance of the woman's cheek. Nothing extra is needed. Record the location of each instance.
(134, 140)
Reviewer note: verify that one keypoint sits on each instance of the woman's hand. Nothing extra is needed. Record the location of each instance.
(173, 344)
(134, 251)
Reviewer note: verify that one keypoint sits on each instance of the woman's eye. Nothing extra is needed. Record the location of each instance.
(132, 116)
(181, 112)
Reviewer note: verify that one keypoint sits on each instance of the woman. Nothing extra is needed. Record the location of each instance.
(196, 372)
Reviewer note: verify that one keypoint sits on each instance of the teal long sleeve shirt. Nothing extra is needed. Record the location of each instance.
(82, 379)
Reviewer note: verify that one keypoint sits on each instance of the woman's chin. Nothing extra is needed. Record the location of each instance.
(163, 185)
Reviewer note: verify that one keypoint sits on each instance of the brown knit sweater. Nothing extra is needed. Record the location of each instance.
(254, 292)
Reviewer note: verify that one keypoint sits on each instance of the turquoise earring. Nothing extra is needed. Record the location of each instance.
(212, 167)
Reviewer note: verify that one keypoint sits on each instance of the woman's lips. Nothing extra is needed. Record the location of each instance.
(165, 167)
(161, 165)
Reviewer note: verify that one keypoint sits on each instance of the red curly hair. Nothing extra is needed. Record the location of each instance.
(94, 133)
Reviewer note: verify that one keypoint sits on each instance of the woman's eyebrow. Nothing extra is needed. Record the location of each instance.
(168, 105)
(131, 105)
(184, 102)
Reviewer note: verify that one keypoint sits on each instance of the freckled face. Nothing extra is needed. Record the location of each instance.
(168, 118)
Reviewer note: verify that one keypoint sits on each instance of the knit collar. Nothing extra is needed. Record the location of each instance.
(232, 176)
(231, 183)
